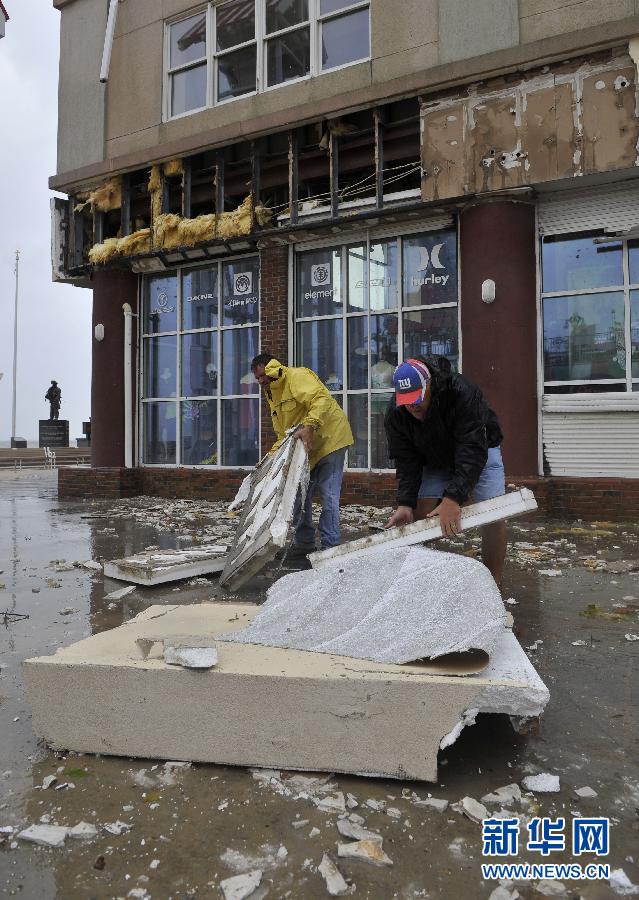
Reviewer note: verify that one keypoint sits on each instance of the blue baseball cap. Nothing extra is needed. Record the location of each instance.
(411, 378)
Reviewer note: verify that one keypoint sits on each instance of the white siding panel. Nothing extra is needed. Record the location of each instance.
(592, 443)
(613, 207)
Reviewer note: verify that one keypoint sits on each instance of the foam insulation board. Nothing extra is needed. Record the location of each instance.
(162, 566)
(268, 512)
(439, 604)
(517, 503)
(262, 706)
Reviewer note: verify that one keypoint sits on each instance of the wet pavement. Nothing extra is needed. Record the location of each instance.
(576, 587)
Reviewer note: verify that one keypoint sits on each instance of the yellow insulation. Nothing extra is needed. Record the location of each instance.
(155, 190)
(131, 245)
(173, 167)
(104, 198)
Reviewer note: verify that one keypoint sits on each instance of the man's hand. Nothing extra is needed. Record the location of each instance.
(403, 515)
(306, 435)
(449, 513)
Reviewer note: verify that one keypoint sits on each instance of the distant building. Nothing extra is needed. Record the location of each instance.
(346, 183)
(4, 17)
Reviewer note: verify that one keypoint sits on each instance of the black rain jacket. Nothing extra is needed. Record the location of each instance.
(455, 435)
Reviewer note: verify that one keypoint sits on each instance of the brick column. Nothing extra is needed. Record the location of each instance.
(274, 319)
(499, 342)
(111, 289)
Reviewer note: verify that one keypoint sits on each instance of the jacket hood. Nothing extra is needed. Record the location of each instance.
(275, 369)
(439, 368)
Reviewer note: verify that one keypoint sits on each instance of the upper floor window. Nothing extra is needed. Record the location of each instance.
(240, 47)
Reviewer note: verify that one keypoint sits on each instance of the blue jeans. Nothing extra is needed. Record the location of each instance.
(492, 481)
(326, 477)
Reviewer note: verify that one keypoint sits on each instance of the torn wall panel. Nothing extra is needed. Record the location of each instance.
(443, 142)
(609, 122)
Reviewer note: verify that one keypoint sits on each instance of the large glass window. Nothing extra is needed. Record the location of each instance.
(362, 306)
(590, 314)
(200, 331)
(238, 47)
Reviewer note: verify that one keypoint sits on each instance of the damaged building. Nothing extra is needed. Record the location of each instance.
(345, 183)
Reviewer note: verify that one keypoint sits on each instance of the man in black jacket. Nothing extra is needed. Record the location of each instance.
(445, 441)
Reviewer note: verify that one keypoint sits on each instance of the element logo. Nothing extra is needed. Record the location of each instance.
(320, 274)
(243, 283)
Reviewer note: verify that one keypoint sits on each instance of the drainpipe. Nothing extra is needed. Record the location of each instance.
(108, 41)
(128, 405)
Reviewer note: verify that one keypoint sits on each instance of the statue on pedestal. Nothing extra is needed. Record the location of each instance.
(54, 396)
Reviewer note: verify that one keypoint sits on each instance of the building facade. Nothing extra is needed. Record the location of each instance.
(345, 183)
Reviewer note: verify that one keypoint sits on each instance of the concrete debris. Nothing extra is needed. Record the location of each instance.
(331, 804)
(543, 783)
(48, 781)
(351, 801)
(314, 832)
(268, 511)
(551, 573)
(350, 829)
(620, 883)
(585, 793)
(242, 862)
(190, 657)
(466, 720)
(282, 852)
(550, 888)
(300, 823)
(632, 637)
(346, 609)
(579, 643)
(511, 793)
(92, 565)
(83, 831)
(69, 611)
(471, 808)
(457, 848)
(45, 835)
(431, 803)
(368, 851)
(160, 567)
(503, 893)
(117, 828)
(393, 813)
(240, 886)
(335, 883)
(120, 593)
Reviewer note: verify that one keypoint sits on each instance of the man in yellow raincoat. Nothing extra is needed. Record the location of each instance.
(296, 396)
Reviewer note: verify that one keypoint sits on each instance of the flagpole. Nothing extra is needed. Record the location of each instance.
(15, 352)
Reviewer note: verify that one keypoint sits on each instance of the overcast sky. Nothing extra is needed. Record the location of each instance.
(54, 320)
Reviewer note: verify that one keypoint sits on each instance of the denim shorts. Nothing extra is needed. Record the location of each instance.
(492, 481)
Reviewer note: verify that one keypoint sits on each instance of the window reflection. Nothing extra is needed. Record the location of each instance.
(199, 364)
(320, 349)
(357, 352)
(345, 39)
(199, 432)
(634, 332)
(199, 298)
(384, 346)
(239, 346)
(160, 366)
(319, 283)
(584, 337)
(432, 332)
(160, 304)
(240, 432)
(379, 445)
(159, 432)
(577, 263)
(358, 417)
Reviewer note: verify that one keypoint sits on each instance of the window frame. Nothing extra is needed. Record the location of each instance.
(179, 332)
(315, 24)
(626, 287)
(368, 237)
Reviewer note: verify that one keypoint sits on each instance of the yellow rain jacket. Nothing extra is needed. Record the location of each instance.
(298, 397)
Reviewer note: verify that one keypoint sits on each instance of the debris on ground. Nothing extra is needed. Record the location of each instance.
(370, 851)
(511, 793)
(585, 793)
(240, 886)
(120, 593)
(621, 884)
(471, 808)
(335, 883)
(45, 835)
(543, 783)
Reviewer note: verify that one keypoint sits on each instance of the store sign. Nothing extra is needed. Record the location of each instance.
(320, 276)
(162, 301)
(242, 291)
(200, 298)
(429, 259)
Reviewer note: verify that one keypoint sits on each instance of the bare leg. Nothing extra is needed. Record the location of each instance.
(493, 549)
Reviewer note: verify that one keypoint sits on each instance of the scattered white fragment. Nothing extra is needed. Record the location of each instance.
(551, 573)
(48, 781)
(369, 851)
(632, 637)
(6, 829)
(335, 883)
(351, 829)
(300, 823)
(512, 602)
(534, 646)
(621, 884)
(504, 893)
(511, 793)
(334, 803)
(550, 888)
(117, 828)
(543, 783)
(377, 805)
(393, 812)
(92, 565)
(314, 832)
(471, 808)
(586, 793)
(351, 801)
(282, 853)
(154, 864)
(68, 611)
(45, 835)
(240, 886)
(83, 831)
(456, 848)
(120, 593)
(223, 805)
(191, 657)
(578, 643)
(433, 803)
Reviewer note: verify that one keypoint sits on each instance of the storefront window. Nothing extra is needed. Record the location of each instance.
(199, 397)
(358, 311)
(588, 306)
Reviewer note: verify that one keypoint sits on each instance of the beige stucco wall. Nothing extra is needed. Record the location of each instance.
(410, 40)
